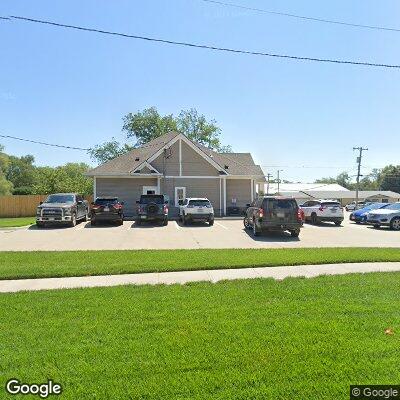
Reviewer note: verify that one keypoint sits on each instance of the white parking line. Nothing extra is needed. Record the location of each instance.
(80, 226)
(222, 226)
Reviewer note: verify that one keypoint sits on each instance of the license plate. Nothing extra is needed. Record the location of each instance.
(333, 210)
(280, 215)
(106, 209)
(50, 219)
(200, 210)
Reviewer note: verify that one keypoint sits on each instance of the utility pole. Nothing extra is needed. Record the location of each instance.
(279, 181)
(359, 158)
(269, 176)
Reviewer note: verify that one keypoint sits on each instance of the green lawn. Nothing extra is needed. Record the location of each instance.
(254, 339)
(16, 265)
(16, 222)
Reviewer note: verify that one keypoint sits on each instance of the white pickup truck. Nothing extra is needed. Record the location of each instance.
(196, 209)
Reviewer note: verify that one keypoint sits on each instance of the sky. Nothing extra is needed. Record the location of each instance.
(73, 88)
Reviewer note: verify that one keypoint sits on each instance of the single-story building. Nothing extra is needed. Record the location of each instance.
(178, 167)
(346, 196)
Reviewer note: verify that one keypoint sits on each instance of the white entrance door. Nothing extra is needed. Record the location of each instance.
(180, 195)
(150, 190)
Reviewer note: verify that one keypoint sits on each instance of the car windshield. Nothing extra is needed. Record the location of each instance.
(395, 206)
(199, 203)
(102, 202)
(281, 204)
(60, 198)
(152, 199)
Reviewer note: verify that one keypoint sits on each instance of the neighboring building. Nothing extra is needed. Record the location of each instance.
(299, 187)
(306, 191)
(178, 167)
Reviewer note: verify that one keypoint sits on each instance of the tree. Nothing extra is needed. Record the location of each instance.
(197, 128)
(108, 150)
(147, 125)
(6, 186)
(390, 178)
(63, 179)
(21, 173)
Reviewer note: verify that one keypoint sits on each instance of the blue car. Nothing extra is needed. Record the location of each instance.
(360, 216)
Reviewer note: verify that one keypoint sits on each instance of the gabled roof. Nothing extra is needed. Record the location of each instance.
(236, 163)
(127, 163)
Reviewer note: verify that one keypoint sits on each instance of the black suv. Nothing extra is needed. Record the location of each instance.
(107, 209)
(152, 207)
(274, 213)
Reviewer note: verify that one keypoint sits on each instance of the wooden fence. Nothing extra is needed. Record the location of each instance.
(22, 206)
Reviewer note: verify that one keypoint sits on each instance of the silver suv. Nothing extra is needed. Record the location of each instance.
(388, 216)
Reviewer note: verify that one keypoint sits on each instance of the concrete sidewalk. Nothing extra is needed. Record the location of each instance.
(182, 277)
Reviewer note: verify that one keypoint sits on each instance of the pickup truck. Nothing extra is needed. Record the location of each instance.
(62, 208)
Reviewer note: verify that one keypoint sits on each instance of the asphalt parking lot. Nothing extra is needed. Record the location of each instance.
(225, 233)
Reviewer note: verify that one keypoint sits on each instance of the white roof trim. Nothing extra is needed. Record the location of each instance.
(145, 164)
(191, 145)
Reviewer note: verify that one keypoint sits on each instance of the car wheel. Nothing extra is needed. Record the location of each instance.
(295, 233)
(211, 222)
(184, 220)
(376, 226)
(138, 221)
(73, 221)
(93, 222)
(40, 224)
(256, 231)
(246, 223)
(314, 219)
(395, 224)
(165, 223)
(338, 223)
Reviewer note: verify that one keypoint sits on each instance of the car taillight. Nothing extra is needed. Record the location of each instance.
(321, 208)
(165, 208)
(300, 215)
(260, 213)
(117, 206)
(96, 207)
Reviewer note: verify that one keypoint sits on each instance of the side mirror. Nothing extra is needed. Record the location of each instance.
(137, 202)
(248, 205)
(122, 203)
(41, 203)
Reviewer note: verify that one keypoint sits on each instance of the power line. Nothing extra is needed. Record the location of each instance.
(208, 47)
(303, 17)
(43, 143)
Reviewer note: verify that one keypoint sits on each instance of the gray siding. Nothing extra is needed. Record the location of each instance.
(171, 163)
(127, 190)
(239, 189)
(195, 187)
(193, 164)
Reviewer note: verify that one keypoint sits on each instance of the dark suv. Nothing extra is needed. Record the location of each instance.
(274, 213)
(107, 209)
(152, 207)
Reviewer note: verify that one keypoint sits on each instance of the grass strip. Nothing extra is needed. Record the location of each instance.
(41, 264)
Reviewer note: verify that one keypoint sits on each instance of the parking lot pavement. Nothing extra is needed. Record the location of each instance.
(224, 234)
